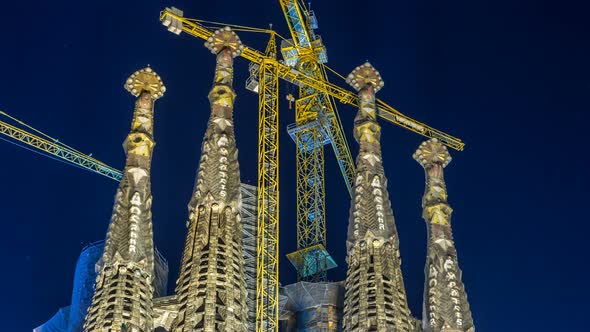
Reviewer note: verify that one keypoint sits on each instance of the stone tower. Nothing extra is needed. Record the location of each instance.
(375, 298)
(445, 306)
(211, 287)
(123, 293)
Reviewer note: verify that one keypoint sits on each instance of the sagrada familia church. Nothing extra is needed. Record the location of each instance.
(125, 277)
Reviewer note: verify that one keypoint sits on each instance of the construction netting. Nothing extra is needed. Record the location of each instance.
(314, 306)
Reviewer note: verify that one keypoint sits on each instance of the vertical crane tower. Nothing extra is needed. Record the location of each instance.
(316, 124)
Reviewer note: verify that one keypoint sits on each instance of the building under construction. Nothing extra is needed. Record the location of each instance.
(373, 293)
(228, 279)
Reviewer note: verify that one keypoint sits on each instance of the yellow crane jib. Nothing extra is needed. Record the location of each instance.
(300, 79)
(52, 148)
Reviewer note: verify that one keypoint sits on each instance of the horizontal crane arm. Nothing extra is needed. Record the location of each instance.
(177, 23)
(53, 149)
(384, 110)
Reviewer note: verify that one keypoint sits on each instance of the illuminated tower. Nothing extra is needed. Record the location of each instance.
(211, 287)
(445, 306)
(123, 293)
(375, 298)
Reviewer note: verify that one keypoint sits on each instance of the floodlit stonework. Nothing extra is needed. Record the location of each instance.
(375, 297)
(211, 288)
(445, 306)
(123, 293)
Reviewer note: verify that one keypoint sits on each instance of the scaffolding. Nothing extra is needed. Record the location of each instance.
(249, 220)
(71, 318)
(313, 307)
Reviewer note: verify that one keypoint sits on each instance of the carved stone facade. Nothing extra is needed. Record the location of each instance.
(123, 293)
(211, 288)
(445, 306)
(375, 297)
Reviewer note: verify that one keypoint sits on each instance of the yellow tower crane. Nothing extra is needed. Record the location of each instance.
(316, 124)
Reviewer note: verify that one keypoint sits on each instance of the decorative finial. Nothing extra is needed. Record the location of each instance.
(145, 80)
(364, 75)
(432, 152)
(225, 38)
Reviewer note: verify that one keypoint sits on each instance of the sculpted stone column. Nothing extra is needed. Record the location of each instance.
(445, 306)
(123, 293)
(375, 298)
(211, 287)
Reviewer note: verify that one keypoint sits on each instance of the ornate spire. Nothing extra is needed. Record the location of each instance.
(375, 298)
(445, 306)
(211, 288)
(123, 292)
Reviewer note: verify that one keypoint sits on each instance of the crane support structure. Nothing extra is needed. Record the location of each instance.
(267, 255)
(52, 148)
(317, 124)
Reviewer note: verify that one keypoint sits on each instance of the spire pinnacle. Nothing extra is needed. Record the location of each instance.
(445, 305)
(363, 76)
(145, 80)
(225, 38)
(432, 152)
(211, 287)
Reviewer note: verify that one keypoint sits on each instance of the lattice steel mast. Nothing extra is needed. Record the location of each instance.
(316, 124)
(375, 298)
(123, 291)
(211, 287)
(445, 307)
(267, 273)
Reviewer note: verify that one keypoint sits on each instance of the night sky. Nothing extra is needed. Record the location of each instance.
(511, 78)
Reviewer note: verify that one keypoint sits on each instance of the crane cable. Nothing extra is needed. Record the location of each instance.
(216, 25)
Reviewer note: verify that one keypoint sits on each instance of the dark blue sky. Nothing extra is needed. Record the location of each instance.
(511, 78)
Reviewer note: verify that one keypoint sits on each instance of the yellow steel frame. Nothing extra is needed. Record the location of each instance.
(339, 142)
(311, 191)
(58, 151)
(311, 212)
(344, 96)
(267, 255)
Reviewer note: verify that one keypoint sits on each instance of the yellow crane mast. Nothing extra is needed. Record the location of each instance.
(267, 268)
(317, 124)
(50, 147)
